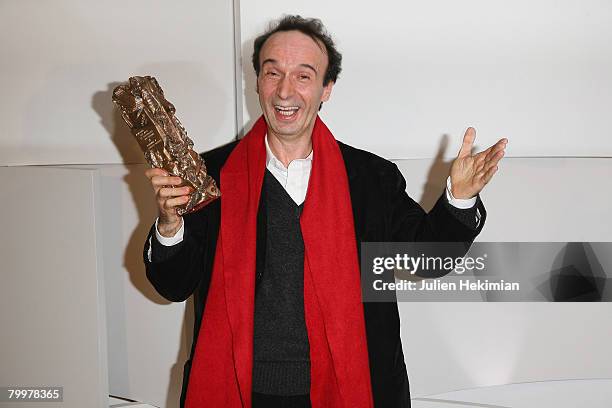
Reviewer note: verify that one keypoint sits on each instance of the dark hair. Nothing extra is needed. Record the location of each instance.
(312, 27)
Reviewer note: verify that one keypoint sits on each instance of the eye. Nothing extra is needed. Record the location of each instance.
(271, 74)
(304, 77)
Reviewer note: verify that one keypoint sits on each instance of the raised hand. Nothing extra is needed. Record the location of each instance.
(168, 198)
(471, 172)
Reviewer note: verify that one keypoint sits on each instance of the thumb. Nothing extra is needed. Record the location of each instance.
(468, 142)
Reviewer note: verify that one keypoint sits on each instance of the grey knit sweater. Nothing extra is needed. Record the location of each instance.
(281, 363)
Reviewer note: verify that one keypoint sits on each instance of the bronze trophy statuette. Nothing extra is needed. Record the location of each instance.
(163, 139)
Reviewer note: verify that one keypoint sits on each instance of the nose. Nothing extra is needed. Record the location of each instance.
(285, 87)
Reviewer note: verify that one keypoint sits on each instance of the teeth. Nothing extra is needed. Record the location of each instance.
(286, 110)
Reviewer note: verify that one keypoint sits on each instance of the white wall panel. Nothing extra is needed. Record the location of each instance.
(61, 59)
(149, 338)
(52, 305)
(449, 346)
(534, 72)
(540, 200)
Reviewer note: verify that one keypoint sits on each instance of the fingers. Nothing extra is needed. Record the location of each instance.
(171, 192)
(171, 203)
(489, 174)
(168, 198)
(500, 145)
(150, 173)
(484, 165)
(167, 195)
(490, 167)
(492, 153)
(160, 181)
(160, 177)
(482, 156)
(492, 162)
(468, 142)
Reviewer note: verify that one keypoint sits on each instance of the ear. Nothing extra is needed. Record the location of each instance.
(327, 91)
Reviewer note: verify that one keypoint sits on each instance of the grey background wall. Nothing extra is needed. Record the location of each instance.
(535, 72)
(51, 300)
(415, 76)
(62, 59)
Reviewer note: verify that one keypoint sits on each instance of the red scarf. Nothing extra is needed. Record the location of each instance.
(221, 372)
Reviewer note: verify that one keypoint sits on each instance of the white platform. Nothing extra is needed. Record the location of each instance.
(591, 393)
(120, 403)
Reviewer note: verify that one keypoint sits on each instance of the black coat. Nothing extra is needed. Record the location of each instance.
(382, 211)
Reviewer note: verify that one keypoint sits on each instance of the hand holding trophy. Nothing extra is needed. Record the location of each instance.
(165, 143)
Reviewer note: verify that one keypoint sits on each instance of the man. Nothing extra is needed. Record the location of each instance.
(273, 265)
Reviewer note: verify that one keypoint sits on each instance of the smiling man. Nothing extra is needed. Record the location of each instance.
(273, 265)
(292, 83)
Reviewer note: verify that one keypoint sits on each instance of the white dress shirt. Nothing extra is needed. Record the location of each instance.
(294, 180)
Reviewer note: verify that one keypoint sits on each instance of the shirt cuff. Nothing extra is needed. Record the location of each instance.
(169, 241)
(462, 204)
(178, 237)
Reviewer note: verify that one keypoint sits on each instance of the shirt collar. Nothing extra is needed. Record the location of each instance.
(270, 157)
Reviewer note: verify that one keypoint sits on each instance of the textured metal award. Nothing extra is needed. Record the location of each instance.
(163, 139)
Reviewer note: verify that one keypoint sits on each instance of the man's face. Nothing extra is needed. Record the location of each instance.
(290, 83)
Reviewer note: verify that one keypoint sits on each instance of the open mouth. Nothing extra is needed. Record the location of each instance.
(286, 112)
